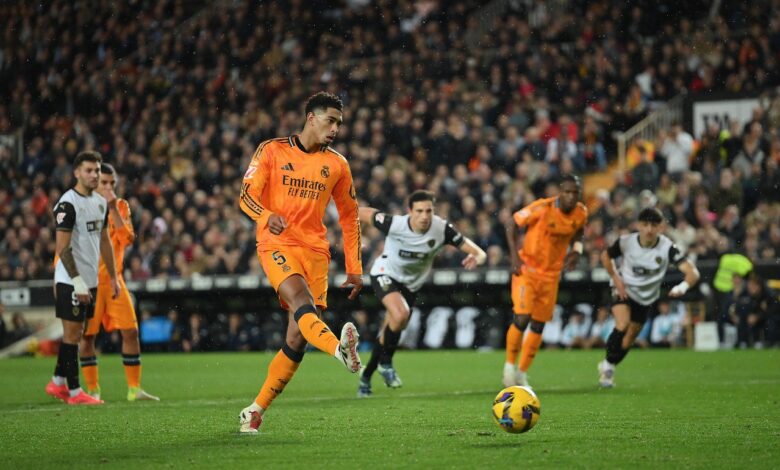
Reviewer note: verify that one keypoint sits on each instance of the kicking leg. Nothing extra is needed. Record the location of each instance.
(514, 341)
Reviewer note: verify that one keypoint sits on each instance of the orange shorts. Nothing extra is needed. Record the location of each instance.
(281, 262)
(534, 296)
(113, 314)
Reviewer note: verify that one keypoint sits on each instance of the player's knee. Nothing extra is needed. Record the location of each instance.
(537, 327)
(521, 321)
(130, 335)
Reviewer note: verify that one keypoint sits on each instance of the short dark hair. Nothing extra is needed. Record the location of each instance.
(571, 178)
(421, 195)
(323, 100)
(108, 169)
(651, 215)
(87, 156)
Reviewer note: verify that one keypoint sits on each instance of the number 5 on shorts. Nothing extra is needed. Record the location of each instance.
(278, 258)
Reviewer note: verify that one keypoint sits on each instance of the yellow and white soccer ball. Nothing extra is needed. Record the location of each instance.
(516, 409)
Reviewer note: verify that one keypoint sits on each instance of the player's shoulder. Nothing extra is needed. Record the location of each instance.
(276, 142)
(331, 152)
(123, 206)
(582, 209)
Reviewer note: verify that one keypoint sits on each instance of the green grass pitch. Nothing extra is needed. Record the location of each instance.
(670, 409)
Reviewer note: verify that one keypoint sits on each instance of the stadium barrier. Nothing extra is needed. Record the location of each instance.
(455, 309)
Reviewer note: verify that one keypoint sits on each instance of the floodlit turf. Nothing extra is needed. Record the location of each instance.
(670, 408)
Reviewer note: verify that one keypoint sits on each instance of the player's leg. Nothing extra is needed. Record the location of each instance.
(65, 385)
(87, 353)
(514, 334)
(398, 313)
(623, 334)
(544, 295)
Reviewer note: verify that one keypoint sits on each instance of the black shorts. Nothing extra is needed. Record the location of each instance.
(67, 307)
(639, 313)
(384, 284)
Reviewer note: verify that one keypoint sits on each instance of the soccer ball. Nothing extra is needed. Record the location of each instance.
(516, 409)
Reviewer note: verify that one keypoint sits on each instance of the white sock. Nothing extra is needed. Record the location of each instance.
(58, 380)
(509, 365)
(74, 392)
(255, 407)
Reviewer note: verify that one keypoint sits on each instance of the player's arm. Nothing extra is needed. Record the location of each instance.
(687, 268)
(521, 220)
(608, 257)
(476, 255)
(65, 218)
(380, 220)
(107, 254)
(119, 211)
(252, 186)
(573, 256)
(346, 203)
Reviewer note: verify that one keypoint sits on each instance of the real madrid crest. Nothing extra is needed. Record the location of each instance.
(325, 172)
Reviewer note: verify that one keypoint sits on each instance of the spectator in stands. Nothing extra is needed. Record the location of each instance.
(22, 329)
(600, 329)
(753, 308)
(645, 174)
(3, 331)
(666, 327)
(196, 334)
(575, 332)
(238, 337)
(677, 147)
(732, 264)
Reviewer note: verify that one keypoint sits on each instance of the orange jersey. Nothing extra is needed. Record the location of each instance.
(549, 233)
(285, 180)
(121, 238)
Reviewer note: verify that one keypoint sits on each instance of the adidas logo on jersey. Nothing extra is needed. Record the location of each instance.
(288, 167)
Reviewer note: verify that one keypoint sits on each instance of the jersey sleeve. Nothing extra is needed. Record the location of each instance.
(124, 233)
(452, 236)
(615, 251)
(675, 255)
(530, 214)
(382, 221)
(64, 216)
(255, 179)
(345, 197)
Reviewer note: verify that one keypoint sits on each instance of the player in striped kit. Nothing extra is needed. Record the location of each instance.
(81, 219)
(637, 264)
(413, 241)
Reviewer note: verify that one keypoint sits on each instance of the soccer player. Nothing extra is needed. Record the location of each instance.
(81, 218)
(114, 313)
(412, 242)
(286, 189)
(637, 264)
(553, 225)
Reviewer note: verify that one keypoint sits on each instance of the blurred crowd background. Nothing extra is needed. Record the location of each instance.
(485, 112)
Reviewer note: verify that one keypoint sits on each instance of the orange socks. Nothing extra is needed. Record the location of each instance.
(132, 363)
(89, 367)
(280, 372)
(315, 331)
(514, 339)
(530, 346)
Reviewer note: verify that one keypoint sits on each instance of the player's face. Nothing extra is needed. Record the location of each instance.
(88, 175)
(649, 232)
(569, 195)
(326, 125)
(107, 182)
(420, 216)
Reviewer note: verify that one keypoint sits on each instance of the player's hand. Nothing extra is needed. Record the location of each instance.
(276, 224)
(571, 260)
(469, 262)
(83, 295)
(110, 197)
(620, 288)
(517, 263)
(114, 288)
(679, 290)
(356, 281)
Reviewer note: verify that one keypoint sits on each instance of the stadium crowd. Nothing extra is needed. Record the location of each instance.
(177, 95)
